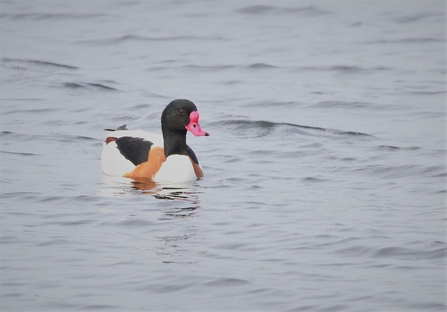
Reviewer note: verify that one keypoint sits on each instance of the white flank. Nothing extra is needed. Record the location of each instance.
(112, 162)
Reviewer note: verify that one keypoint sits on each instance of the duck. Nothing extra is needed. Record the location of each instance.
(138, 154)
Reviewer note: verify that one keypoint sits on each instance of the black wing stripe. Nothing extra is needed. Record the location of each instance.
(135, 150)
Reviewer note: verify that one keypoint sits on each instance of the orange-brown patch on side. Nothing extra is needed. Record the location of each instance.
(149, 168)
(110, 139)
(197, 170)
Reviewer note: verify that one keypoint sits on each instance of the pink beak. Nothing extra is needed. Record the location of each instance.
(194, 126)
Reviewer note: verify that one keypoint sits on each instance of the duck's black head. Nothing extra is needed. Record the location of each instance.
(179, 116)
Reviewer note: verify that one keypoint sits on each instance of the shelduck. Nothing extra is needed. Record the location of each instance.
(139, 154)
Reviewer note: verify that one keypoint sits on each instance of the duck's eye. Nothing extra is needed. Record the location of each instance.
(181, 110)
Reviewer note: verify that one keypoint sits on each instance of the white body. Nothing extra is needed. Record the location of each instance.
(176, 168)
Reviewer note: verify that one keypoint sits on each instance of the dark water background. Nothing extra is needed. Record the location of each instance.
(325, 171)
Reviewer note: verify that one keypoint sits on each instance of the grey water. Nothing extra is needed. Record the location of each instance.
(324, 184)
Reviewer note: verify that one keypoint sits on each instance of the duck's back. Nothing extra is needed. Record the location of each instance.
(123, 150)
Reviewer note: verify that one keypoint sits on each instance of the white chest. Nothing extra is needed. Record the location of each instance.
(176, 168)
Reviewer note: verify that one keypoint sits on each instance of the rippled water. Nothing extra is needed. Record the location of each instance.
(325, 171)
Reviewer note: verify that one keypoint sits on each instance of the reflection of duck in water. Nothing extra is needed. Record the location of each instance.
(188, 200)
(123, 187)
(174, 191)
(146, 156)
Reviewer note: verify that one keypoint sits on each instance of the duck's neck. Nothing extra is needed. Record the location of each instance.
(175, 143)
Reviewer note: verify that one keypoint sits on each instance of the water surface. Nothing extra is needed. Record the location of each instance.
(324, 183)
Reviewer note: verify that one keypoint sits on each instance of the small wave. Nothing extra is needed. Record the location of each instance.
(314, 179)
(31, 111)
(264, 9)
(49, 16)
(85, 138)
(88, 85)
(393, 252)
(342, 104)
(273, 104)
(254, 66)
(142, 106)
(70, 223)
(95, 307)
(55, 242)
(37, 62)
(355, 69)
(407, 41)
(396, 148)
(229, 282)
(134, 223)
(21, 194)
(260, 66)
(427, 92)
(256, 9)
(392, 172)
(137, 38)
(209, 67)
(18, 153)
(269, 125)
(357, 105)
(68, 138)
(406, 252)
(101, 86)
(417, 18)
(344, 69)
(131, 223)
(23, 99)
